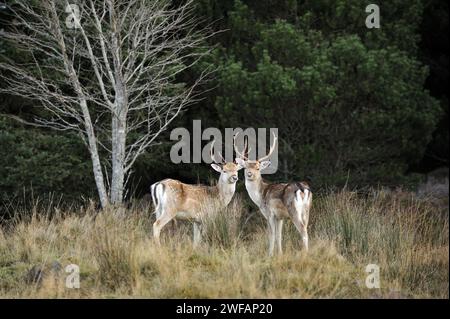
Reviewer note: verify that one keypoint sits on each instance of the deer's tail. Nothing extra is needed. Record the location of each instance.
(157, 191)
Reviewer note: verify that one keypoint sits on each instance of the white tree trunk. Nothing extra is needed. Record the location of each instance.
(93, 150)
(118, 158)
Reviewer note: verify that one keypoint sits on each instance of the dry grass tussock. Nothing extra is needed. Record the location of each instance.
(407, 237)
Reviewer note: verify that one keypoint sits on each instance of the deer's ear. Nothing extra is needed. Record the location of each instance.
(240, 162)
(264, 165)
(216, 167)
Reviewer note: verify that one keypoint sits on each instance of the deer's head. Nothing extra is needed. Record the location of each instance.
(253, 168)
(228, 170)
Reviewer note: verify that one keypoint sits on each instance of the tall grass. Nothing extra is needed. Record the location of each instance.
(222, 227)
(405, 236)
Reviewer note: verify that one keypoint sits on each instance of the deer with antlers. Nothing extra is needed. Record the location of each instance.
(276, 201)
(175, 200)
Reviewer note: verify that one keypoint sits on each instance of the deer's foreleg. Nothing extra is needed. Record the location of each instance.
(272, 222)
(197, 233)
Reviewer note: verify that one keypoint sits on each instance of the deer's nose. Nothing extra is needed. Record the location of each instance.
(249, 174)
(233, 178)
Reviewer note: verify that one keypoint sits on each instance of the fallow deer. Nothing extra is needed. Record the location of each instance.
(175, 200)
(276, 201)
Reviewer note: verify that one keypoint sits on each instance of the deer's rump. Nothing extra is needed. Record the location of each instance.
(280, 198)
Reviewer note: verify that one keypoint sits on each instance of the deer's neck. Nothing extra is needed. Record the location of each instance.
(255, 190)
(226, 192)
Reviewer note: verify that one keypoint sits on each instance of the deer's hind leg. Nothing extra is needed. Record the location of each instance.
(166, 216)
(299, 218)
(279, 235)
(302, 229)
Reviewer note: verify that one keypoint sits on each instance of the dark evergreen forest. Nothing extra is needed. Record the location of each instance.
(355, 106)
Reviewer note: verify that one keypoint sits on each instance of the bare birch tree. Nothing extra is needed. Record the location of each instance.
(106, 69)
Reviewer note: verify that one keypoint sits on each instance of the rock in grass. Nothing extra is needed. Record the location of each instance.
(38, 272)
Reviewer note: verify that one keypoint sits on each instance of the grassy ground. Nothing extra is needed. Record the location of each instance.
(406, 237)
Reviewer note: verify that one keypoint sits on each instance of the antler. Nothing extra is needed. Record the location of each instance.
(211, 153)
(245, 151)
(272, 148)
